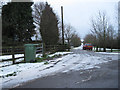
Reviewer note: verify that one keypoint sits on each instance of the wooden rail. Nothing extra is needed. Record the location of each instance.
(21, 50)
(17, 50)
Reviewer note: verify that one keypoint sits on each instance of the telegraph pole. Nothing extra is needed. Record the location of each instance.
(62, 25)
(119, 24)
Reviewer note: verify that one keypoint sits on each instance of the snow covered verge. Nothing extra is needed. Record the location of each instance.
(109, 53)
(5, 63)
(15, 75)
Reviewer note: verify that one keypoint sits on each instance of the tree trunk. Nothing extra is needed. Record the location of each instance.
(112, 42)
(68, 44)
(111, 47)
(99, 49)
(13, 50)
(111, 50)
(96, 48)
(104, 49)
(43, 49)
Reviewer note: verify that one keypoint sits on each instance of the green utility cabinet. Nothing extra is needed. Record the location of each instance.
(30, 52)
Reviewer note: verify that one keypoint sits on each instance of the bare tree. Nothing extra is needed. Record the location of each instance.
(37, 12)
(110, 36)
(71, 36)
(75, 40)
(68, 32)
(37, 35)
(89, 38)
(99, 28)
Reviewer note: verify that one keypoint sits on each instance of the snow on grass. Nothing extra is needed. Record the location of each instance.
(10, 56)
(17, 74)
(107, 49)
(24, 72)
(80, 47)
(39, 55)
(21, 59)
(108, 53)
(16, 56)
(60, 53)
(5, 63)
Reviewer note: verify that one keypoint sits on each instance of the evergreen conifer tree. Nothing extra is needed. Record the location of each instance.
(49, 26)
(17, 22)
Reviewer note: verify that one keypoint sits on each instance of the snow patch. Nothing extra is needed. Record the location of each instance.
(60, 53)
(107, 53)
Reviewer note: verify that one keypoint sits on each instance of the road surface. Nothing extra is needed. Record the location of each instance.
(104, 77)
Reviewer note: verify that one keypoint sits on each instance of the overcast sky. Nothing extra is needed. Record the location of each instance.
(79, 12)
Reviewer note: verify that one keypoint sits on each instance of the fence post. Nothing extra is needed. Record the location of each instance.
(13, 54)
(24, 54)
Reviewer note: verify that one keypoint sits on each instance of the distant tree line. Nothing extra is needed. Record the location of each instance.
(102, 33)
(71, 37)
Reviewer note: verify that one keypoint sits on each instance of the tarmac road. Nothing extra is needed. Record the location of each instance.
(104, 77)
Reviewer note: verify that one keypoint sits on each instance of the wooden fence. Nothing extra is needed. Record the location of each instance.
(16, 50)
(21, 50)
